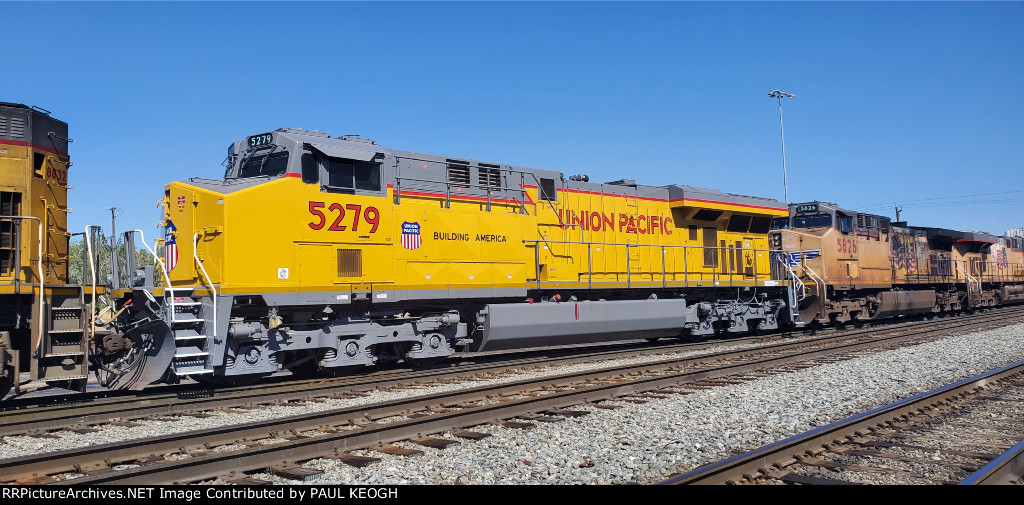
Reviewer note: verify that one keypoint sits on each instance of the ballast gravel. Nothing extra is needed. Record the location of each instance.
(639, 443)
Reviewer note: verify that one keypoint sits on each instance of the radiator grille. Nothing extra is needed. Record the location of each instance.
(350, 263)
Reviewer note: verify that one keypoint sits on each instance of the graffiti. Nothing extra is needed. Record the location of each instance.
(904, 254)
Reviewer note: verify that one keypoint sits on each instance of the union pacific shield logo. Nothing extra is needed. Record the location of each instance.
(411, 235)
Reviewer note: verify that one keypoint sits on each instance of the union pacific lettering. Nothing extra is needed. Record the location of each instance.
(641, 224)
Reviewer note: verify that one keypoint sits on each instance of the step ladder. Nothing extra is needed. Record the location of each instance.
(188, 321)
(63, 350)
(973, 288)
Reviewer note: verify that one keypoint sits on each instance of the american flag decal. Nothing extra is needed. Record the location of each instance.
(170, 247)
(411, 238)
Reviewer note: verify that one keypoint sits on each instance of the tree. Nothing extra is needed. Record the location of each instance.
(79, 266)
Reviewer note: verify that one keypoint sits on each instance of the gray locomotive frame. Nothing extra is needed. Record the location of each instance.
(292, 329)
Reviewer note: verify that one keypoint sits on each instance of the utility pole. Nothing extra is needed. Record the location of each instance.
(898, 209)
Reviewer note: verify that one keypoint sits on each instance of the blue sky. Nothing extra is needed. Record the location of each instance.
(914, 104)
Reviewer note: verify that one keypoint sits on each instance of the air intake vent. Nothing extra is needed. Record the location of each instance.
(490, 176)
(458, 172)
(3, 126)
(350, 263)
(17, 128)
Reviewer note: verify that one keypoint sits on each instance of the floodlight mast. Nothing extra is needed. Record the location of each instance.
(780, 94)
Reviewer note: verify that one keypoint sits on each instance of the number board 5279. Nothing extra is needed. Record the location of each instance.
(260, 140)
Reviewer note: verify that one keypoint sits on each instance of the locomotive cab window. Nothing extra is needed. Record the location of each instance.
(310, 168)
(760, 225)
(813, 221)
(267, 163)
(844, 223)
(738, 223)
(341, 174)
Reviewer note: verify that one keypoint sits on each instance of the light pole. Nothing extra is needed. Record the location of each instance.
(780, 94)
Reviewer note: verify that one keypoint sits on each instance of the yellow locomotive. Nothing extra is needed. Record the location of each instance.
(42, 327)
(853, 267)
(322, 254)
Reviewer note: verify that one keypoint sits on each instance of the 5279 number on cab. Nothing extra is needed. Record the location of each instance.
(368, 214)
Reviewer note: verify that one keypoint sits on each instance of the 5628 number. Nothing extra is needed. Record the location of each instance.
(369, 214)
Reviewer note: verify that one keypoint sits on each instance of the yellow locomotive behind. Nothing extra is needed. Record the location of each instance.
(41, 317)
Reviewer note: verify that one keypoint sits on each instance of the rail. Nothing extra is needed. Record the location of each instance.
(794, 279)
(42, 272)
(92, 275)
(819, 283)
(973, 285)
(163, 269)
(734, 276)
(195, 254)
(945, 270)
(488, 189)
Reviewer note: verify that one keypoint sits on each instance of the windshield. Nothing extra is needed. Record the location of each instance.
(780, 223)
(265, 163)
(813, 221)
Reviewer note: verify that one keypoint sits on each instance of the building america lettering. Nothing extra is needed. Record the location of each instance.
(464, 237)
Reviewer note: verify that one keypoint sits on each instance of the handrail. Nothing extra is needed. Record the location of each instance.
(92, 274)
(195, 254)
(163, 269)
(794, 277)
(814, 276)
(686, 249)
(488, 187)
(969, 278)
(42, 281)
(794, 311)
(550, 205)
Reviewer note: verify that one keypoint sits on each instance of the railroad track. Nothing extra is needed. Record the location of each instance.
(198, 455)
(50, 414)
(41, 415)
(971, 432)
